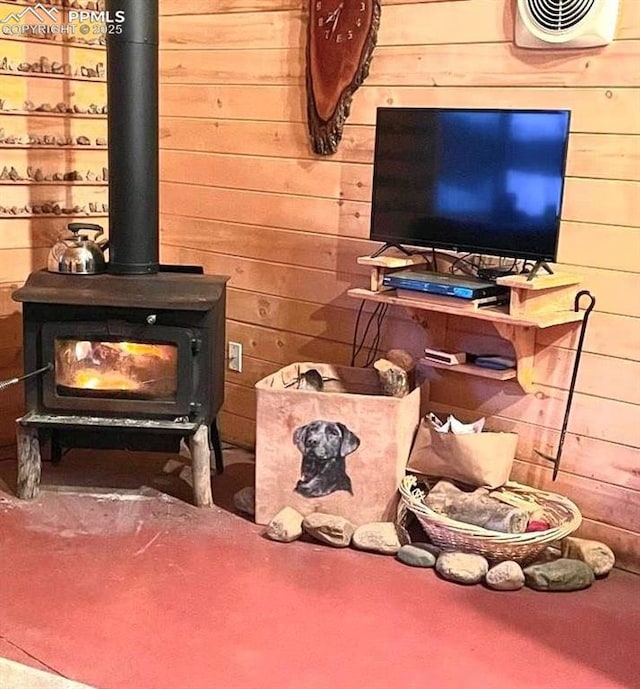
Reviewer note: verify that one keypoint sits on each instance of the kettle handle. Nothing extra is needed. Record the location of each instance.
(75, 227)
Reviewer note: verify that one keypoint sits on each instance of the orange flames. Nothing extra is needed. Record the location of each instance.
(114, 366)
(139, 349)
(111, 380)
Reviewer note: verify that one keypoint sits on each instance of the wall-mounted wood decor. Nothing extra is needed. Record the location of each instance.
(340, 42)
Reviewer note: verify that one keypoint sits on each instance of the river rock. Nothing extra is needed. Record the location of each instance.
(505, 576)
(548, 554)
(377, 537)
(596, 554)
(463, 568)
(561, 575)
(245, 500)
(415, 556)
(329, 529)
(286, 526)
(435, 550)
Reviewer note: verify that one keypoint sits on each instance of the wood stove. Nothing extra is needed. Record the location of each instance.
(137, 362)
(133, 358)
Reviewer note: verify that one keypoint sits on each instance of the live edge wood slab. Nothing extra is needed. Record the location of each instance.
(340, 42)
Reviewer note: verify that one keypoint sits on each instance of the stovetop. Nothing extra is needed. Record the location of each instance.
(164, 290)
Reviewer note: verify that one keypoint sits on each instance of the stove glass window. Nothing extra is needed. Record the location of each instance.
(121, 370)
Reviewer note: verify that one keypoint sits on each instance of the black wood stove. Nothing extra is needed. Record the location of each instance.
(133, 358)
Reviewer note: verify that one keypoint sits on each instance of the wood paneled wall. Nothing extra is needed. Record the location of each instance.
(25, 239)
(243, 195)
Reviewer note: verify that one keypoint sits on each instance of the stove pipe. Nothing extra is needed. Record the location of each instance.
(132, 86)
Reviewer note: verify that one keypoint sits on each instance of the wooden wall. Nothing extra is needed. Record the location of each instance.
(243, 195)
(25, 238)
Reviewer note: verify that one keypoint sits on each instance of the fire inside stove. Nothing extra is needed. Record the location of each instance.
(124, 370)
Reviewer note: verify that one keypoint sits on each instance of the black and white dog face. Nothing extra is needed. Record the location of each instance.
(324, 446)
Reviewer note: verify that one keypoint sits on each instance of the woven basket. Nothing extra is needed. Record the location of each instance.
(450, 534)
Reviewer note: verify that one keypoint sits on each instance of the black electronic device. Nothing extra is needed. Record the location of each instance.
(486, 181)
(492, 274)
(441, 283)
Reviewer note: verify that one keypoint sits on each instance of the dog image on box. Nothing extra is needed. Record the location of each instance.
(324, 446)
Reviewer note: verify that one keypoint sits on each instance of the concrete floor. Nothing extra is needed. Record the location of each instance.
(123, 587)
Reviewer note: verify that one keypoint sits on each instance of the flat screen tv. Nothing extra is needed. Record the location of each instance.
(483, 181)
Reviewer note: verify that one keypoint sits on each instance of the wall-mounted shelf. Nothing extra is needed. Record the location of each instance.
(544, 302)
(50, 183)
(498, 314)
(53, 147)
(47, 75)
(66, 115)
(56, 42)
(31, 216)
(471, 370)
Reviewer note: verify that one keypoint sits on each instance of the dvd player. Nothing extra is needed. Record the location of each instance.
(459, 286)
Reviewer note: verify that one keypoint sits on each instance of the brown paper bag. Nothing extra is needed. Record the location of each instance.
(479, 459)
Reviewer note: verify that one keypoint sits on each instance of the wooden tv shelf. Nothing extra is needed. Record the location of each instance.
(544, 302)
(499, 314)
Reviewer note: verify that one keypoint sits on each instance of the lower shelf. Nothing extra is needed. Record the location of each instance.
(471, 370)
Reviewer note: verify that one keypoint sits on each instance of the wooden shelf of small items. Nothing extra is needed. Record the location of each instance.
(53, 182)
(471, 370)
(66, 115)
(70, 216)
(52, 147)
(544, 302)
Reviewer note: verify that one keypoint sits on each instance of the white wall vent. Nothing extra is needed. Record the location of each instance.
(554, 24)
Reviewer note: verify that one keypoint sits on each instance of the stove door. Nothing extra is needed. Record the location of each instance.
(120, 368)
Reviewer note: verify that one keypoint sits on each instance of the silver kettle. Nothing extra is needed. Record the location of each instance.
(74, 253)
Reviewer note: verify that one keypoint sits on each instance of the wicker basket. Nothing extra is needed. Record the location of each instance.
(450, 534)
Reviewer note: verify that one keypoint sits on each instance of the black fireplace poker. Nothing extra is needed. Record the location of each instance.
(574, 376)
(4, 384)
(132, 87)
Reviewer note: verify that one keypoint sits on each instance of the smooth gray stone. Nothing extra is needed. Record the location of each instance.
(245, 500)
(377, 537)
(463, 568)
(505, 576)
(416, 557)
(561, 575)
(286, 526)
(435, 550)
(329, 529)
(596, 554)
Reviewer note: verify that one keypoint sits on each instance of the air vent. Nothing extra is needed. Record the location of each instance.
(559, 15)
(565, 23)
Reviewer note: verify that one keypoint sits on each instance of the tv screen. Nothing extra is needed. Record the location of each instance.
(470, 180)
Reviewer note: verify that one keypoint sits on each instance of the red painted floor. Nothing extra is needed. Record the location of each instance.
(147, 592)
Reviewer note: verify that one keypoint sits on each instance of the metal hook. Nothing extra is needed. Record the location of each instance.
(574, 376)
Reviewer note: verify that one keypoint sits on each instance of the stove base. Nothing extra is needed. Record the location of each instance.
(150, 436)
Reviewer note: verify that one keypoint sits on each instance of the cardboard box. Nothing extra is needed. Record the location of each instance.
(341, 451)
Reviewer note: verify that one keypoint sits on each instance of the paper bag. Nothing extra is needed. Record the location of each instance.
(479, 459)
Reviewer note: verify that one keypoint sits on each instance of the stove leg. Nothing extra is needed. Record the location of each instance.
(201, 466)
(217, 446)
(29, 462)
